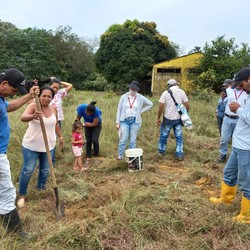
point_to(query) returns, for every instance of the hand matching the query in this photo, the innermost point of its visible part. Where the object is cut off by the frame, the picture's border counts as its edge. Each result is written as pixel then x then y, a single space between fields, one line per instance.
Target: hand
pixel 117 125
pixel 223 95
pixel 158 122
pixel 234 106
pixel 37 115
pixel 34 90
pixel 61 142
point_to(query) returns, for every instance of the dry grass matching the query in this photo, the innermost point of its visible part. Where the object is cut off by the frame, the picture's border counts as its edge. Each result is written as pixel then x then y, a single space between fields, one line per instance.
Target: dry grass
pixel 165 206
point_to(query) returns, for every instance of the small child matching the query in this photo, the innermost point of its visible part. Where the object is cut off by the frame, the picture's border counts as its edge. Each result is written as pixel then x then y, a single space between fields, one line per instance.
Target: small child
pixel 77 144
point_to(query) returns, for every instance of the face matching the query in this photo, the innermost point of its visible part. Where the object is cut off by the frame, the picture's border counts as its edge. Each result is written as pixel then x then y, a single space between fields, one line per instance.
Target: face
pixel 55 86
pixel 88 112
pixel 45 97
pixel 245 84
pixel 7 90
pixel 132 91
pixel 79 130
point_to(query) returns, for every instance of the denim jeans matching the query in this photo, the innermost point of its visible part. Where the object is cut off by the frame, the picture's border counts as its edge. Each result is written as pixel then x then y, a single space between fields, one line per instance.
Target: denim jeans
pixel 164 134
pixel 129 129
pixel 29 165
pixel 227 130
pixel 237 170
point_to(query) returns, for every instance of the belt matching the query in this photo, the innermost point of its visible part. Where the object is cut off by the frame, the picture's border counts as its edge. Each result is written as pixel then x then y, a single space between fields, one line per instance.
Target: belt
pixel 232 116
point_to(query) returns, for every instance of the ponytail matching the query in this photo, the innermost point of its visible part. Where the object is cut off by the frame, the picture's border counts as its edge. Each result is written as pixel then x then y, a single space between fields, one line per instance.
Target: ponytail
pixel 91 107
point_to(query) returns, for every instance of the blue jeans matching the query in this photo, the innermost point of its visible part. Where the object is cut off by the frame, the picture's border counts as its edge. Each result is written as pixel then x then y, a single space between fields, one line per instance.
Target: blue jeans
pixel 29 164
pixel 237 170
pixel 129 128
pixel 227 130
pixel 164 134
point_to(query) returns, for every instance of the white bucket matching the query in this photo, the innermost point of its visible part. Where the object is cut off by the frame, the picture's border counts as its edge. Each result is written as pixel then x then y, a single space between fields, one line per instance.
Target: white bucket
pixel 133 157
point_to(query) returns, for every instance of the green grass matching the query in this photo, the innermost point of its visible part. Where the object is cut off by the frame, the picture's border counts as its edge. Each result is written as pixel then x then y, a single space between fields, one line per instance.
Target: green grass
pixel 165 206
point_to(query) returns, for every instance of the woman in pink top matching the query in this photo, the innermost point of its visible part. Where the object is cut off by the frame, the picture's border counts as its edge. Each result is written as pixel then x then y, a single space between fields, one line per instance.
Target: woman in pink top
pixel 77 144
pixel 33 146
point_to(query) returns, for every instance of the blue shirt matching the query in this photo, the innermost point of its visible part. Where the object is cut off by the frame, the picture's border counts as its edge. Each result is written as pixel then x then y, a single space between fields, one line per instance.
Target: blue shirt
pixel 241 135
pixel 81 111
pixel 4 126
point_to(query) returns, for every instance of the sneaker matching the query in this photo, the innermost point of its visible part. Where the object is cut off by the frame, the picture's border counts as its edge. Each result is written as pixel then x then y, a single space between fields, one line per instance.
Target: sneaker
pixel 163 153
pixel 21 202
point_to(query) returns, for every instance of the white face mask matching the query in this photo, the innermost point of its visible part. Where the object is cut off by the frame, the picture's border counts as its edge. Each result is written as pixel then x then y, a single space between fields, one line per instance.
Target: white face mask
pixel 132 92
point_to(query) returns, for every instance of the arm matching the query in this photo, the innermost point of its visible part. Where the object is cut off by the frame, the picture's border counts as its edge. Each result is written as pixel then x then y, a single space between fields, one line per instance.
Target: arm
pixel 31 113
pixel 57 127
pixel 118 113
pixel 73 140
pixel 160 110
pixel 92 124
pixel 16 104
pixel 67 86
pixel 147 104
pixel 186 106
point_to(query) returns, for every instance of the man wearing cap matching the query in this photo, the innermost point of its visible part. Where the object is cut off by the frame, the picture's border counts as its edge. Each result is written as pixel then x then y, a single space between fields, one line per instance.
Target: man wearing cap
pixel 237 169
pixel 171 118
pixel 230 119
pixel 11 82
pixel 220 110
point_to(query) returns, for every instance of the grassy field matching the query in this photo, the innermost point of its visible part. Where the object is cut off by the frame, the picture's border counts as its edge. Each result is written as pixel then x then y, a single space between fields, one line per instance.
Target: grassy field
pixel 165 206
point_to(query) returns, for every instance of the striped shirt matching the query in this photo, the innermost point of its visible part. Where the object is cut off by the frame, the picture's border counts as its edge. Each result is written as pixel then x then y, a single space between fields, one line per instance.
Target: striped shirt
pixel 180 96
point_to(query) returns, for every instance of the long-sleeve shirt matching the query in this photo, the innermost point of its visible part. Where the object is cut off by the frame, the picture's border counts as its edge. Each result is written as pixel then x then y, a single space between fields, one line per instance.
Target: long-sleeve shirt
pixel 143 104
pixel 241 135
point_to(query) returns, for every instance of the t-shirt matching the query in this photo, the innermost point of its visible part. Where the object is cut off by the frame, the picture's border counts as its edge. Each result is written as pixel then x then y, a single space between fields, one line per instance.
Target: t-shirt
pixel 4 126
pixel 77 137
pixel 57 102
pixel 180 96
pixel 81 111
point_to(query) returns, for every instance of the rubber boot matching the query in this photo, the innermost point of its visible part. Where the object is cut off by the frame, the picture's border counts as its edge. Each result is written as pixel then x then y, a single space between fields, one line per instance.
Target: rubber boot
pixel 12 223
pixel 244 216
pixel 227 194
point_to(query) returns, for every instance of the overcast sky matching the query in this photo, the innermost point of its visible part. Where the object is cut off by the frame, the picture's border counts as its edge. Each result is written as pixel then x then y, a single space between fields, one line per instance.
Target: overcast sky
pixel 188 23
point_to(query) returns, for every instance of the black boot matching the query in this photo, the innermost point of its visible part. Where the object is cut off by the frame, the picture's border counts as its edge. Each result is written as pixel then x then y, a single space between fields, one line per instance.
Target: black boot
pixel 222 158
pixel 12 223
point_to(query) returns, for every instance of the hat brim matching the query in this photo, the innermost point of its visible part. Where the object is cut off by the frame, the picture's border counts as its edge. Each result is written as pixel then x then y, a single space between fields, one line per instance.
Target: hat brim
pixel 133 86
pixel 21 90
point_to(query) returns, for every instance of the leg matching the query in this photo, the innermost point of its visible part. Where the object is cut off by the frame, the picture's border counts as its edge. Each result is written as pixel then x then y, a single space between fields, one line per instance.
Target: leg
pixel 226 134
pixel 95 138
pixel 164 133
pixel 219 123
pixel 124 127
pixel 179 140
pixel 43 171
pixel 29 164
pixel 228 185
pixel 88 137
pixel 134 129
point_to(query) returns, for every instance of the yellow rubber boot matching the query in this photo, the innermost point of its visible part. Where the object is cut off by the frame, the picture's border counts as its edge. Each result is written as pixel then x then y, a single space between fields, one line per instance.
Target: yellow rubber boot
pixel 227 194
pixel 244 216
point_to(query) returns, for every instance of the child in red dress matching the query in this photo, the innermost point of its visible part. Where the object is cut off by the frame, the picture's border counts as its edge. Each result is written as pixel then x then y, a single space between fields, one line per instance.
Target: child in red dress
pixel 77 144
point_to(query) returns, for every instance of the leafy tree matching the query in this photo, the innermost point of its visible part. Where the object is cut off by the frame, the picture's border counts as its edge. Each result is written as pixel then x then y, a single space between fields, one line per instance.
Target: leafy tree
pixel 128 51
pixel 221 60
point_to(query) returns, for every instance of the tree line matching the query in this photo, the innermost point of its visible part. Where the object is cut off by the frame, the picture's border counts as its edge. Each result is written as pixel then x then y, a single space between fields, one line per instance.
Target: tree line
pixel 125 52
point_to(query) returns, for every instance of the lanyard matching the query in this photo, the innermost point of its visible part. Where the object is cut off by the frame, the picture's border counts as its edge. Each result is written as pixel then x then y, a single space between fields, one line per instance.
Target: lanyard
pixel 237 97
pixel 131 104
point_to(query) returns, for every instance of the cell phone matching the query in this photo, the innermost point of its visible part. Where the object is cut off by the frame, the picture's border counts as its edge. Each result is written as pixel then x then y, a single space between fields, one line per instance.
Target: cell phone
pixel 224 90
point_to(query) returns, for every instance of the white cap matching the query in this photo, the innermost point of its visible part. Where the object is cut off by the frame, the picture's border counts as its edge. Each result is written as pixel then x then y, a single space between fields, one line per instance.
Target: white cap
pixel 172 82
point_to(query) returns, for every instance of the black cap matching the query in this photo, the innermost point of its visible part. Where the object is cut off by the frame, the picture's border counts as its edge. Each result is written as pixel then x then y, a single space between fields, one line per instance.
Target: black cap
pixel 243 74
pixel 134 85
pixel 15 78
